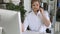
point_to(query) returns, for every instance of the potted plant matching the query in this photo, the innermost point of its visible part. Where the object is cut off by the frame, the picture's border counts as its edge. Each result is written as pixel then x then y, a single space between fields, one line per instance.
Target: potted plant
pixel 11 6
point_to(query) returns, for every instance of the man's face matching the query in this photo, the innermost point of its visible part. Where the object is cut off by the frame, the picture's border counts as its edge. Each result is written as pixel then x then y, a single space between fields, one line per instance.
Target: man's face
pixel 35 6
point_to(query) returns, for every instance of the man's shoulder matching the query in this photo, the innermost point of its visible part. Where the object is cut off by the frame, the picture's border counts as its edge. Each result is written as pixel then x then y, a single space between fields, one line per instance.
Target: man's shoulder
pixel 29 14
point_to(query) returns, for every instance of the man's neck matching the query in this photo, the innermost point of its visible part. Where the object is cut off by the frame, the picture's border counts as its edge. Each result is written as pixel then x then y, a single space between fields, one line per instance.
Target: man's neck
pixel 35 12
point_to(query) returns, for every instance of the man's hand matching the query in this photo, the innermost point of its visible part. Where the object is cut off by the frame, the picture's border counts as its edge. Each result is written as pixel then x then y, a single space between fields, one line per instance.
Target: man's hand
pixel 41 10
pixel 44 18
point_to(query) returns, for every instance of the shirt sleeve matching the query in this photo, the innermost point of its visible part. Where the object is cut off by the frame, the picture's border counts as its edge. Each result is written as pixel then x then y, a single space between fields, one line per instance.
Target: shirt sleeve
pixel 47 16
pixel 25 23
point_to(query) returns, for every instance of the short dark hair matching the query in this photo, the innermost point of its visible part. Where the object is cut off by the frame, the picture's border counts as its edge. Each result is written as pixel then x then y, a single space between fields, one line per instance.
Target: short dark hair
pixel 32 1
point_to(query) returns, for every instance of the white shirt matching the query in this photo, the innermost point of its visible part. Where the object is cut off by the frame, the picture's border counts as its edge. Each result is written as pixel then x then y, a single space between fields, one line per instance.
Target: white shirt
pixel 35 22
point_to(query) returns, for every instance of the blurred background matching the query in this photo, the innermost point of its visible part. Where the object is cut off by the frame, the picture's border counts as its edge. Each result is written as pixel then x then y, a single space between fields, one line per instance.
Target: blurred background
pixel 24 6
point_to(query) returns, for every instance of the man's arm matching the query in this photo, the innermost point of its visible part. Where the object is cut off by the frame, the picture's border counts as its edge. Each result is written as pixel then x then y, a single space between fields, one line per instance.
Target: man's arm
pixel 44 18
pixel 25 24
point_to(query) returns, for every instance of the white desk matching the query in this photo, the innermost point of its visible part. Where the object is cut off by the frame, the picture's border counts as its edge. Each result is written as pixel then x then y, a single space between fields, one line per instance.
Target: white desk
pixel 31 32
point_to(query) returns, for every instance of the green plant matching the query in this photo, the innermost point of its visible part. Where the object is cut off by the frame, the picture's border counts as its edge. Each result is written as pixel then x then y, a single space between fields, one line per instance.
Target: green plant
pixel 20 8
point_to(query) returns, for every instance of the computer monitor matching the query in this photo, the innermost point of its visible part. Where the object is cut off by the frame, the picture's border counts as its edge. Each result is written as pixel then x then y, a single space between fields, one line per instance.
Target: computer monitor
pixel 10 21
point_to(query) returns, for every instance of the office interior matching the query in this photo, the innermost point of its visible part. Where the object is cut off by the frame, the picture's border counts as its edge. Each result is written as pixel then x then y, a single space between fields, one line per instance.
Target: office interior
pixel 52 6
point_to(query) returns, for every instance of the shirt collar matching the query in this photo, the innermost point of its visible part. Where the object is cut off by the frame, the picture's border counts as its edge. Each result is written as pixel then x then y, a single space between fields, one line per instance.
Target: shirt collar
pixel 37 12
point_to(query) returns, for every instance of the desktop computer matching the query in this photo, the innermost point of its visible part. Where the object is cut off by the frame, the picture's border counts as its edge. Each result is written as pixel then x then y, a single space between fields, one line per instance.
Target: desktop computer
pixel 10 22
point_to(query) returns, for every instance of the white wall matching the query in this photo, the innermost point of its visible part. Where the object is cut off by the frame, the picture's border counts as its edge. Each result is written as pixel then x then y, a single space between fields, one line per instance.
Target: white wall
pixel 44 0
pixel 6 1
pixel 16 2
pixel 27 5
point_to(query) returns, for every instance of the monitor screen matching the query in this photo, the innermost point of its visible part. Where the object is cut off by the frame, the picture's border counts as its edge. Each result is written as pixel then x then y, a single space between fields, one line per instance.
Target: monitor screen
pixel 10 21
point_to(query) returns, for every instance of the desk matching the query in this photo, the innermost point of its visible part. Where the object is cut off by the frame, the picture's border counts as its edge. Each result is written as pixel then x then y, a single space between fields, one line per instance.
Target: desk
pixel 32 32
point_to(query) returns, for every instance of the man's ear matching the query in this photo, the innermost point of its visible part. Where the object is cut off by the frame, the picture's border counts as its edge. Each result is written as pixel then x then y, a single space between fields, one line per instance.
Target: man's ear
pixel 40 6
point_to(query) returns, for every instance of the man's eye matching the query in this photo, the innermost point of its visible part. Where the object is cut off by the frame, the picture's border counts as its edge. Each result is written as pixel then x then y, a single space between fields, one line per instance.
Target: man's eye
pixel 37 4
pixel 33 5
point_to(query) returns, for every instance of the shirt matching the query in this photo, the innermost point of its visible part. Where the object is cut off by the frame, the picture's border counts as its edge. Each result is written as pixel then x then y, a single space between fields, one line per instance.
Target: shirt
pixel 35 22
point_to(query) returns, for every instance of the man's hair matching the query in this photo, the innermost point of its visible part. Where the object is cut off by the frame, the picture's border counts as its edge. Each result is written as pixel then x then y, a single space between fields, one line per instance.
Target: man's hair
pixel 32 1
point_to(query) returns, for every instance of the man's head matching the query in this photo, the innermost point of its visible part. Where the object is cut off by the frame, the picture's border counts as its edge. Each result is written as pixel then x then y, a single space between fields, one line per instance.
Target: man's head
pixel 35 4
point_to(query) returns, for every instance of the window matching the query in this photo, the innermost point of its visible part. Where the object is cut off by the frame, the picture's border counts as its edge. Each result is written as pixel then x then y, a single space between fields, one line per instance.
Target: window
pixel 1 1
pixel 2 4
pixel 22 2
